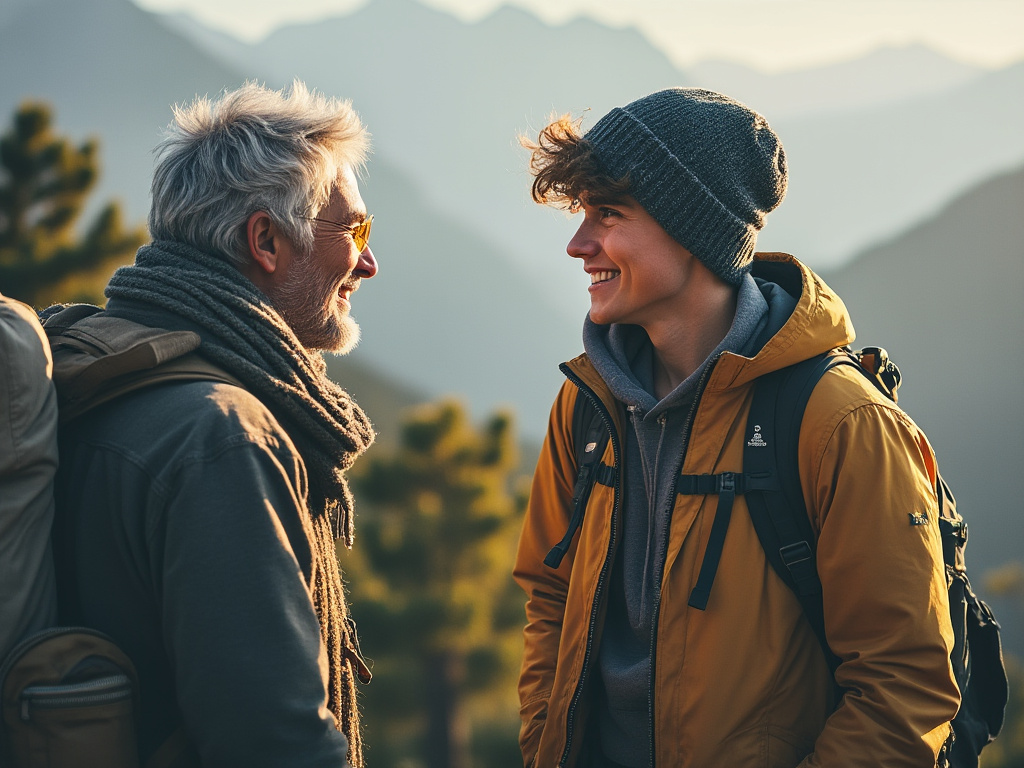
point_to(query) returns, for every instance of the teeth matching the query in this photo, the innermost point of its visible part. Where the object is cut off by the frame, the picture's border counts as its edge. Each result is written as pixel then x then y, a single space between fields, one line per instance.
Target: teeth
pixel 600 277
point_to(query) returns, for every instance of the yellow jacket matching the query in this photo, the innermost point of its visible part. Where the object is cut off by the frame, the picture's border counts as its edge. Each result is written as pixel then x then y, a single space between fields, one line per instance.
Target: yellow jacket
pixel 745 682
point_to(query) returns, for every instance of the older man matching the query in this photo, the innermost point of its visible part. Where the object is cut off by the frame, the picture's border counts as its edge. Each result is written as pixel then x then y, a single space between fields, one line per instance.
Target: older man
pixel 202 516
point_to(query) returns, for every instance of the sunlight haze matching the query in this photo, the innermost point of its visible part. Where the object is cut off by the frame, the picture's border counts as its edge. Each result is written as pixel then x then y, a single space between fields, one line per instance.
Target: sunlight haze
pixel 772 35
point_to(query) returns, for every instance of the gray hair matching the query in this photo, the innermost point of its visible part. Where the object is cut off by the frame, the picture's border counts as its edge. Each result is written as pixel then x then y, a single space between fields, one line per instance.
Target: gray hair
pixel 254 149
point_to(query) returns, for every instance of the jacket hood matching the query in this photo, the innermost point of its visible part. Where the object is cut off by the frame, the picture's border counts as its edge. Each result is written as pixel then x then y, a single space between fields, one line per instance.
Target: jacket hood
pixel 818 324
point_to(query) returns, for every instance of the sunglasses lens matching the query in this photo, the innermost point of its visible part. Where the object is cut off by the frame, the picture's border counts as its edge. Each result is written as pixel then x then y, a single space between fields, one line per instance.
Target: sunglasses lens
pixel 361 234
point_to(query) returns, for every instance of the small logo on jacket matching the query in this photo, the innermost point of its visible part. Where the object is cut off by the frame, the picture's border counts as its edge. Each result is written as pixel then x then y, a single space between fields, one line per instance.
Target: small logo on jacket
pixel 757 441
pixel 918 519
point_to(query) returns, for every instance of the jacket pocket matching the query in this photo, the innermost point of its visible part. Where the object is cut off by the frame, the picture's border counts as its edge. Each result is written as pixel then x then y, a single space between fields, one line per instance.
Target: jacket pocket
pixel 784 749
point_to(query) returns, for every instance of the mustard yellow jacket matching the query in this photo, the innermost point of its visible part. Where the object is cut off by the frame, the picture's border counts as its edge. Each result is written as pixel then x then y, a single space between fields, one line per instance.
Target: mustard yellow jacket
pixel 745 682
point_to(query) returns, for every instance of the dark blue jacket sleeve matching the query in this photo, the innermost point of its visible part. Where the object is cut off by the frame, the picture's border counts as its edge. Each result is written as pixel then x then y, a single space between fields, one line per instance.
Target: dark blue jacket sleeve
pixel 237 618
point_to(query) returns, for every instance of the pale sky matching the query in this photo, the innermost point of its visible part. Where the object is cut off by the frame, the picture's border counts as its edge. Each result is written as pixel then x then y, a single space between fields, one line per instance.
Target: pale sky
pixel 772 35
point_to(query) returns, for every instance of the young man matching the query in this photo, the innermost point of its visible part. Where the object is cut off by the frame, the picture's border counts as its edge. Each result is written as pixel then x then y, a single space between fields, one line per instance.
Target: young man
pixel 619 669
pixel 202 516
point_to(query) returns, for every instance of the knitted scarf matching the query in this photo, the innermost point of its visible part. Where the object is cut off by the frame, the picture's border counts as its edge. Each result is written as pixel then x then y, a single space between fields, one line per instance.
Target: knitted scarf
pixel 243 334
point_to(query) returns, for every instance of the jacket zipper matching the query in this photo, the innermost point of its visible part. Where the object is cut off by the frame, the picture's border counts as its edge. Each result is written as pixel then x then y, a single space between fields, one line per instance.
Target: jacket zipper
pixel 687 426
pixel 603 576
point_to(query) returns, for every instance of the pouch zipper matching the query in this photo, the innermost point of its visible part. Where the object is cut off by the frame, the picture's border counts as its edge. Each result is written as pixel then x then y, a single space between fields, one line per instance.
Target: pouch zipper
pixel 104 690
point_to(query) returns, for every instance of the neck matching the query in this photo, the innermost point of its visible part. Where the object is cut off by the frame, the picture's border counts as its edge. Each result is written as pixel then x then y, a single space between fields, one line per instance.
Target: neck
pixel 684 340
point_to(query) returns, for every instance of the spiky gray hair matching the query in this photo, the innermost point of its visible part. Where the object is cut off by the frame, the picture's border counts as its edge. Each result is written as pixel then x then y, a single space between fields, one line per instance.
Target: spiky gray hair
pixel 254 149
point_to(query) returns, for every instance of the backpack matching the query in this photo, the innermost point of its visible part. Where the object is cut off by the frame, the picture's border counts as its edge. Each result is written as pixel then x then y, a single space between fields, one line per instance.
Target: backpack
pixel 771 483
pixel 69 695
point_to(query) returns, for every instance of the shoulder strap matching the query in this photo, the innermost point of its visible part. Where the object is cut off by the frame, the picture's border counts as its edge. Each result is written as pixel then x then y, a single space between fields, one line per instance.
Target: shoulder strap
pixel 779 515
pixel 97 358
pixel 589 439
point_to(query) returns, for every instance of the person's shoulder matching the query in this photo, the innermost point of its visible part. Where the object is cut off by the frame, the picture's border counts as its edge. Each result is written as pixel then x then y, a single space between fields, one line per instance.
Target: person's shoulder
pixel 185 421
pixel 844 401
pixel 843 389
pixel 21 336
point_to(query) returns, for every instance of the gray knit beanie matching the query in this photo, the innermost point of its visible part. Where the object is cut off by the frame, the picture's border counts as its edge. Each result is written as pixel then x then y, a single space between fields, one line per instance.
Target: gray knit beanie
pixel 707 168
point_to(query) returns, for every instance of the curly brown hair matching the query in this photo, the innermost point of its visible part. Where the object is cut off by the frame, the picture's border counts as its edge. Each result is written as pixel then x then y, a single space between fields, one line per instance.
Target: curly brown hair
pixel 565 167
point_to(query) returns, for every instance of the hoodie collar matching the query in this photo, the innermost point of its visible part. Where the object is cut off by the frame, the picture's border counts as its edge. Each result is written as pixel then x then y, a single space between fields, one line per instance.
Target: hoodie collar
pixel 624 356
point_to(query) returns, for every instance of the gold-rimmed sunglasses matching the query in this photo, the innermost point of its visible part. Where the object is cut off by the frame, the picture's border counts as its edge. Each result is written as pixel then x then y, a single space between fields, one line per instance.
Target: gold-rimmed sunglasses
pixel 360 232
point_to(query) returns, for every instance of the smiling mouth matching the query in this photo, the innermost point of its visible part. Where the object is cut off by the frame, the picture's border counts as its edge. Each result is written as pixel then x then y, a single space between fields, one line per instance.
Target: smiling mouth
pixel 602 277
pixel 345 292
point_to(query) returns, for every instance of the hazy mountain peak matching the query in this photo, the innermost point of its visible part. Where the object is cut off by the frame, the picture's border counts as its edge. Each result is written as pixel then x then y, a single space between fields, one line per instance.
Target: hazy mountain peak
pixel 405 11
pixel 511 14
pixel 883 76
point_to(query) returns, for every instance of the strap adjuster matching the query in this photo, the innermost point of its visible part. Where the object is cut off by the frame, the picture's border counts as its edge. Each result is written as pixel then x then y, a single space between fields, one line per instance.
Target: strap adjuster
pixel 794 554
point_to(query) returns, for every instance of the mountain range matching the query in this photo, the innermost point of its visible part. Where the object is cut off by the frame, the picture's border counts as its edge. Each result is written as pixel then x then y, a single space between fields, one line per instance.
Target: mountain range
pixel 884 76
pixel 944 299
pixel 476 295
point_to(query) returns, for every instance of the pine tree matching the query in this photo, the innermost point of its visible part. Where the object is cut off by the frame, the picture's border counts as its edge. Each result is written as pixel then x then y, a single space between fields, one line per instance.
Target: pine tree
pixel 44 184
pixel 435 601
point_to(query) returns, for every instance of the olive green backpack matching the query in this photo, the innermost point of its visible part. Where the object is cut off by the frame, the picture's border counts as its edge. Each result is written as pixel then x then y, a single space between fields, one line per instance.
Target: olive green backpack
pixel 69 695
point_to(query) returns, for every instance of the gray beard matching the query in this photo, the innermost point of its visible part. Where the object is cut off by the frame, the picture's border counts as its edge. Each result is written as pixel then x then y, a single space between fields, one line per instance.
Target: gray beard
pixel 308 302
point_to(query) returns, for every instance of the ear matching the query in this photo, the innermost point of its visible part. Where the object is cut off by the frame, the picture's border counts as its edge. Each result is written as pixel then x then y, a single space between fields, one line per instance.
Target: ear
pixel 264 240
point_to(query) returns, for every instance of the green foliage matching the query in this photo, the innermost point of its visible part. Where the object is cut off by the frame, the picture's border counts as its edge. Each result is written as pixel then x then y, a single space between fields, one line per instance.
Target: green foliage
pixel 44 184
pixel 432 592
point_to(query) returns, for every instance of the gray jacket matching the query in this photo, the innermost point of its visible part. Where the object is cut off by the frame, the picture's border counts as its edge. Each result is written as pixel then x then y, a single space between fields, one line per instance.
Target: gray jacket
pixel 181 518
pixel 28 461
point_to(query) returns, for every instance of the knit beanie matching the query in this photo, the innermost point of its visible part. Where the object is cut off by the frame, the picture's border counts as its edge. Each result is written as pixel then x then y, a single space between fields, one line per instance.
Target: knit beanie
pixel 707 168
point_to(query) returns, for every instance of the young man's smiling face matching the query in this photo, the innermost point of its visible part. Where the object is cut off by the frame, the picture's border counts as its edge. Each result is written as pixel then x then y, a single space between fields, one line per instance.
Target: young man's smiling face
pixel 638 273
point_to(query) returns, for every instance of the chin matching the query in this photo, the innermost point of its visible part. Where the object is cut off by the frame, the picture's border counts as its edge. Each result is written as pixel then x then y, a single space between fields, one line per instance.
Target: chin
pixel 340 338
pixel 599 319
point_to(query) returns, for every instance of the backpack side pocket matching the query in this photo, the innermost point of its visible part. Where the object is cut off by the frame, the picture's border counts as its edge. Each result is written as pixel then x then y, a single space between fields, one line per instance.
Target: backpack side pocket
pixel 69 699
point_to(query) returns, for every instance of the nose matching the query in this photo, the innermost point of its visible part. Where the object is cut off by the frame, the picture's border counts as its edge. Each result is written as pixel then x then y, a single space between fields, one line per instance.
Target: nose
pixel 366 267
pixel 583 245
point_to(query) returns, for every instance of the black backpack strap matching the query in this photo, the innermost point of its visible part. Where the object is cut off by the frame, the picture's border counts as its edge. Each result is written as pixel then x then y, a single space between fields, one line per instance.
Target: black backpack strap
pixel 778 513
pixel 727 485
pixel 589 439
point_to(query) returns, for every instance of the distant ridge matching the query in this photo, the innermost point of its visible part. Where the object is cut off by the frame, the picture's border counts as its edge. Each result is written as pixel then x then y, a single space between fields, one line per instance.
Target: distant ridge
pixel 856 178
pixel 945 299
pixel 476 294
pixel 884 76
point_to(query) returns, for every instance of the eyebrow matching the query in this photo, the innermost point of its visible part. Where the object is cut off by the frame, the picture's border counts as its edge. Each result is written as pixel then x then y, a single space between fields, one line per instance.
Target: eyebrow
pixel 599 200
pixel 351 218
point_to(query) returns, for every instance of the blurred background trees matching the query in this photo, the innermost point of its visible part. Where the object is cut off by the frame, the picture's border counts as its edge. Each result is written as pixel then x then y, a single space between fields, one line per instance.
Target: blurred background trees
pixel 432 590
pixel 1007 751
pixel 44 184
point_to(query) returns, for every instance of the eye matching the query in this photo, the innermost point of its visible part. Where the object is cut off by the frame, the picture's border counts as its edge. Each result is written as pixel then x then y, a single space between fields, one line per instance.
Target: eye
pixel 607 213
